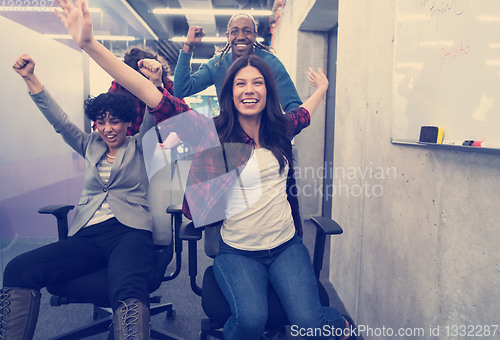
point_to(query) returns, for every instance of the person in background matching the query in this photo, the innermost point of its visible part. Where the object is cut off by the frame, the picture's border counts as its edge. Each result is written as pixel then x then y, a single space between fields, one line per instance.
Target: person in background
pixel 134 57
pixel 241 40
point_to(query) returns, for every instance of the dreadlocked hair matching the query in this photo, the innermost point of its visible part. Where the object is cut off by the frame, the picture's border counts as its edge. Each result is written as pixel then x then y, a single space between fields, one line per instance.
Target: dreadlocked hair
pixel 273 133
pixel 227 47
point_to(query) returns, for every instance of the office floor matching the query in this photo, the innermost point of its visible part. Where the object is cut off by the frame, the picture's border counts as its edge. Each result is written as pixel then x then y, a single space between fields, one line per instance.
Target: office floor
pixel 56 320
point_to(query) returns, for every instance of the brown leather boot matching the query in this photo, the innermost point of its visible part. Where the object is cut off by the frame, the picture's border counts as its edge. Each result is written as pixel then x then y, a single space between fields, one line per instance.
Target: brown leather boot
pixel 131 320
pixel 19 309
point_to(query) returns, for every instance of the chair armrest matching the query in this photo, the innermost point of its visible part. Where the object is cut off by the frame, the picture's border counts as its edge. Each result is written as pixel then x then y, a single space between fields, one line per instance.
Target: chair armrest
pixel 324 226
pixel 189 232
pixel 174 209
pixel 58 209
pixel 60 212
pixel 192 235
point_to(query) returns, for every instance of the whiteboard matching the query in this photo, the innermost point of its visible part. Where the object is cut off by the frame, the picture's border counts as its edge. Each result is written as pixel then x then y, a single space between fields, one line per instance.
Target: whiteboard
pixel 447 70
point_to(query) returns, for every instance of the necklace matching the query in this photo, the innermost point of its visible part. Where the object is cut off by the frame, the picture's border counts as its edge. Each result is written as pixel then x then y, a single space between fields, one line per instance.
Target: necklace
pixel 112 157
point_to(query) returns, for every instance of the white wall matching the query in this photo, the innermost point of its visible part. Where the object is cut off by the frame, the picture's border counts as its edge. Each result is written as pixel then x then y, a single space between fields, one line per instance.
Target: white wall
pixel 26 132
pixel 420 247
pixel 33 157
pixel 100 81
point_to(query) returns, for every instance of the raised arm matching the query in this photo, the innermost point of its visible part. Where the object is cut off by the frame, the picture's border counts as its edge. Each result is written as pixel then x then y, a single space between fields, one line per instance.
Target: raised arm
pixel 187 84
pixel 25 67
pixel 72 134
pixel 319 80
pixel 76 17
pixel 194 36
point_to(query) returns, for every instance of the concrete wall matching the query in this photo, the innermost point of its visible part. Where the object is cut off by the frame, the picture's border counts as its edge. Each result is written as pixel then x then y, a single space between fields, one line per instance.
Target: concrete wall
pixel 298 51
pixel 421 238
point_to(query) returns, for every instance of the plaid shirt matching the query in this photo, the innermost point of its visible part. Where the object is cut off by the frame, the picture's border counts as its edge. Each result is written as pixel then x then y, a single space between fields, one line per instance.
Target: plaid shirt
pixel 141 106
pixel 215 167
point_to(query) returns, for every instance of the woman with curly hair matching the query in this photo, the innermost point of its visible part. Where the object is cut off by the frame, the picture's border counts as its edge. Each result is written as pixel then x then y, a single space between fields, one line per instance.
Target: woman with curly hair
pixel 112 226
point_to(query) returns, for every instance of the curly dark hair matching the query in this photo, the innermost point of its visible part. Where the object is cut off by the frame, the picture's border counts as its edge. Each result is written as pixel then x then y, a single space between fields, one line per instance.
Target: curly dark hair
pixel 134 54
pixel 120 105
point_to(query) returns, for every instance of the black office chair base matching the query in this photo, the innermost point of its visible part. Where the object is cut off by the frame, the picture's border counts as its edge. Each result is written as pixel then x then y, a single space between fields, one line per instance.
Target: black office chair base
pixel 163 335
pixel 211 329
pixel 103 321
pixel 101 325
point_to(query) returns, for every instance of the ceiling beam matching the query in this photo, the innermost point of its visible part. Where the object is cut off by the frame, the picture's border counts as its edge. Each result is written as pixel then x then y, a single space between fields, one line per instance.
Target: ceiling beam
pixel 205 21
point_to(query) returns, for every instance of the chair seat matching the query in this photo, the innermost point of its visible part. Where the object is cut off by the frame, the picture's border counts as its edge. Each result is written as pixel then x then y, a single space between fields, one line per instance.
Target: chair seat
pixel 93 287
pixel 90 288
pixel 218 311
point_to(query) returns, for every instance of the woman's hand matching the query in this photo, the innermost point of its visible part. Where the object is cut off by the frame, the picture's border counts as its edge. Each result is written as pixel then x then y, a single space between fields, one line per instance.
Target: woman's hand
pixel 318 79
pixel 24 66
pixel 76 18
pixel 152 69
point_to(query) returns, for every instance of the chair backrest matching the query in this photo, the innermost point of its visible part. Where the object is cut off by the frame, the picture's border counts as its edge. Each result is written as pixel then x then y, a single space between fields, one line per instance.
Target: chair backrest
pixel 159 198
pixel 165 184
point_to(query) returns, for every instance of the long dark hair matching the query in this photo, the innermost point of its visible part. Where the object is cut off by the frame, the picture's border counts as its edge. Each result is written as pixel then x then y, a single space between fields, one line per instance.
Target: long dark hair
pixel 273 126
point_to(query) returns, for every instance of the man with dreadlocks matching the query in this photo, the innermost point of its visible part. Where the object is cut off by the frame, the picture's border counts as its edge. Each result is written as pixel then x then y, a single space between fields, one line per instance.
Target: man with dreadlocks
pixel 241 40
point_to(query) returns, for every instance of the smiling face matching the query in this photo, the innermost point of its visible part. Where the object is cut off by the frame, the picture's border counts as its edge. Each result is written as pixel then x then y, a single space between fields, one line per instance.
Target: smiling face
pixel 112 130
pixel 241 35
pixel 249 92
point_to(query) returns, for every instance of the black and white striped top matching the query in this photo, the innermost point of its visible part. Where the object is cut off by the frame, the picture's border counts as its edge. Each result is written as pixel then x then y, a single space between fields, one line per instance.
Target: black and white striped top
pixel 104 212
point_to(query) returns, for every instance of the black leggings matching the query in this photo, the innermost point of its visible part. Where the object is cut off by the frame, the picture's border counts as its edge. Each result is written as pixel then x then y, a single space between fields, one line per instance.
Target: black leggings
pixel 128 253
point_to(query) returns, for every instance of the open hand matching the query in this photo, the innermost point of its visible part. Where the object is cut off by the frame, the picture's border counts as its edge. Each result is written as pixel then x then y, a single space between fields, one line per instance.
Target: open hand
pixel 76 18
pixel 318 79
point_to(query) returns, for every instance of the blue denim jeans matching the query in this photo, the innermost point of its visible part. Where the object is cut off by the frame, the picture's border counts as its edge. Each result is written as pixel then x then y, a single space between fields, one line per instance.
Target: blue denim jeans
pixel 244 276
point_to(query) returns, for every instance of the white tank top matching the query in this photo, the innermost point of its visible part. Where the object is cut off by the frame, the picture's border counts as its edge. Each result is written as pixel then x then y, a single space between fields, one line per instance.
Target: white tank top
pixel 259 216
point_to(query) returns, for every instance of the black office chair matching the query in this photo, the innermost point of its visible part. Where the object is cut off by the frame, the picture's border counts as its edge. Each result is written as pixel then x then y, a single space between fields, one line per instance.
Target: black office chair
pixel 92 289
pixel 213 302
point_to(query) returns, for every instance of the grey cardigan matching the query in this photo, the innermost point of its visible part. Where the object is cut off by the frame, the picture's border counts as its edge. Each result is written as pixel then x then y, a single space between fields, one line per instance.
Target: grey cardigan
pixel 128 182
